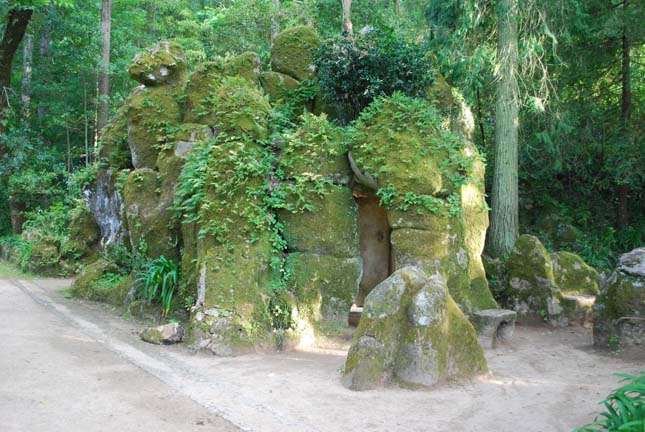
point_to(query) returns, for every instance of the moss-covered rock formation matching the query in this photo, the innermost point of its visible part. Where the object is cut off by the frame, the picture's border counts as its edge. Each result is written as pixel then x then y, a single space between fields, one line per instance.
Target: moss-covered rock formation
pixel 531 282
pixel 572 275
pixel 619 312
pixel 163 64
pixel 412 333
pixel 429 178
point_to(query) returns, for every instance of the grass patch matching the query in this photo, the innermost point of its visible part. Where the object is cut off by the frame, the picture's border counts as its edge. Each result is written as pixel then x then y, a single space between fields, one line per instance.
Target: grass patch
pixel 8 270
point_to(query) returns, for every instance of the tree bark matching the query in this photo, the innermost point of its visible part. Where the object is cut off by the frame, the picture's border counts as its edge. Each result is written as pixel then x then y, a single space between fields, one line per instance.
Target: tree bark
pixel 347 26
pixel 17 22
pixel 504 216
pixel 625 113
pixel 27 60
pixel 14 32
pixel 103 111
pixel 275 20
pixel 44 49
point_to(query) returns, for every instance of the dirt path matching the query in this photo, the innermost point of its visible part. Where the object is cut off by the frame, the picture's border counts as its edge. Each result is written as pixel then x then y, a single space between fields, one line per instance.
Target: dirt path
pixel 542 381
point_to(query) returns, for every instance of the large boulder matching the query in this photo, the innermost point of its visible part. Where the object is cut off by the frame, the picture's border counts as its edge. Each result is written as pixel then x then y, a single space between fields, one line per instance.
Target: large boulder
pixel 619 312
pixel 293 52
pixel 531 282
pixel 572 275
pixel 412 333
pixel 209 76
pixel 165 63
pixel 44 256
pixel 84 234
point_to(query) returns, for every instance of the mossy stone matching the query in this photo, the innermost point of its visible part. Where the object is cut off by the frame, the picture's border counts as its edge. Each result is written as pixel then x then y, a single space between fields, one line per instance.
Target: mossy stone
pixel 531 280
pixel 148 214
pixel 153 115
pixel 293 52
pixel 330 229
pixel 413 333
pixel 235 107
pixel 397 147
pixel 316 151
pixel 572 275
pixel 84 234
pixel 324 286
pixel 100 281
pixel 236 279
pixel 209 76
pixel 113 142
pixel 44 256
pixel 278 86
pixel 163 64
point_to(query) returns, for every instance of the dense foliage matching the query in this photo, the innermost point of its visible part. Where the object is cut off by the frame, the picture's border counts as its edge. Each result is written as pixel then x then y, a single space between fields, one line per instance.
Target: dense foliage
pixel 353 71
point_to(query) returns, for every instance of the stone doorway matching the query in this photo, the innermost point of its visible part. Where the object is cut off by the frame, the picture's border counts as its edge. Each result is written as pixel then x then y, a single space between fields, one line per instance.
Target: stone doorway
pixel 376 249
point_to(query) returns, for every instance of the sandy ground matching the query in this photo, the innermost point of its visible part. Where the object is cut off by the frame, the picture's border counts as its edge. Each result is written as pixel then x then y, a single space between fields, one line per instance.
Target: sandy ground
pixel 72 365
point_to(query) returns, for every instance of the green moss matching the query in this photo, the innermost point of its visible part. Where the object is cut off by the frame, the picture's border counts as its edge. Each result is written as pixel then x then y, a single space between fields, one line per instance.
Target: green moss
pixel 153 117
pixel 83 236
pixel 531 281
pixel 149 215
pixel 113 142
pixel 441 250
pixel 293 52
pixel 245 65
pixel 417 162
pixel 315 152
pixel 423 339
pixel 624 296
pixel 163 64
pixel 572 275
pixel 235 107
pixel 331 228
pixel 324 286
pixel 209 76
pixel 44 257
pixel 86 282
pixel 278 86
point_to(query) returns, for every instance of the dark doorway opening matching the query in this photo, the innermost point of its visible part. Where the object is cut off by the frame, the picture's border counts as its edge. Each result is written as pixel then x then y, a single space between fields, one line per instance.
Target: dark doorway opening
pixel 376 249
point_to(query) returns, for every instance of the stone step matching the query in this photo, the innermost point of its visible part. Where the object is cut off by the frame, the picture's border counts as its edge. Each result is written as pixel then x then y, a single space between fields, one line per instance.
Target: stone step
pixel 493 325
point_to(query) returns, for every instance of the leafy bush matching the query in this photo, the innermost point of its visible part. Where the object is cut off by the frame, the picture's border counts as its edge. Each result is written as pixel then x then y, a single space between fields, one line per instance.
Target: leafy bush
pixel 354 71
pixel 625 408
pixel 158 280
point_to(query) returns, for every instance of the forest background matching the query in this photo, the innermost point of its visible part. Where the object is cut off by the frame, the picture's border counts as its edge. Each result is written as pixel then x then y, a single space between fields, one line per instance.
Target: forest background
pixel 580 91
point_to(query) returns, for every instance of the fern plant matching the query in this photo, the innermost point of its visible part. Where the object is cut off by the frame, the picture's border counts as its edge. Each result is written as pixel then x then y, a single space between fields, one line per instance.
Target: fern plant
pixel 158 280
pixel 624 408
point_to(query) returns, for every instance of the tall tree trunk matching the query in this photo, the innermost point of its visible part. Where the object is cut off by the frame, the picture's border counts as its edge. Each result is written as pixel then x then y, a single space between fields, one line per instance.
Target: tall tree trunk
pixel 504 216
pixel 27 57
pixel 347 26
pixel 103 111
pixel 17 22
pixel 275 20
pixel 625 113
pixel 44 50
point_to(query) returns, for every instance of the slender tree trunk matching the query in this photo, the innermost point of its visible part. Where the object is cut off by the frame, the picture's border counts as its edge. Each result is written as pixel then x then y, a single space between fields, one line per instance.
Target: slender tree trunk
pixel 275 20
pixel 27 60
pixel 103 111
pixel 44 50
pixel 625 112
pixel 347 26
pixel 504 216
pixel 17 22
pixel 480 118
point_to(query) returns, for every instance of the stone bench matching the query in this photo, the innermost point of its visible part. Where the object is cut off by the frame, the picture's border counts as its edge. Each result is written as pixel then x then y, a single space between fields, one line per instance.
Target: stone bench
pixel 493 325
